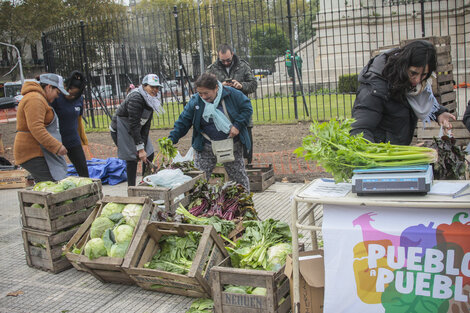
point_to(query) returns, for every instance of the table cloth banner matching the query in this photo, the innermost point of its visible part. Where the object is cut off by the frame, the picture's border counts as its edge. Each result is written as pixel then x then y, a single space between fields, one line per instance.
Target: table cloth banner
pixel 391 259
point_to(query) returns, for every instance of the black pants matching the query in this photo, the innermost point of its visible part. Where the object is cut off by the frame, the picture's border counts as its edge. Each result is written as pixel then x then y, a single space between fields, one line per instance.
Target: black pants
pixel 131 167
pixel 248 155
pixel 78 159
pixel 38 168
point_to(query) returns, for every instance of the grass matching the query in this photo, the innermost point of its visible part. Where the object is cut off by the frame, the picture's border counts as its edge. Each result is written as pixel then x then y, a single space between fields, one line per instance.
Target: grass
pixel 275 110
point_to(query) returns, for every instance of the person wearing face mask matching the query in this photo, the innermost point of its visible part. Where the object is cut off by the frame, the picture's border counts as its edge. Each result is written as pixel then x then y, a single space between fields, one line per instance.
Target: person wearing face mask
pixel 130 125
pixel 395 91
pixel 38 147
pixel 216 113
pixel 69 109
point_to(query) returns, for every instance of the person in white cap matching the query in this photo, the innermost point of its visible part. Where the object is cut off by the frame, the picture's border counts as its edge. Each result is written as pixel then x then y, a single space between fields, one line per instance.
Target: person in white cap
pixel 130 125
pixel 38 147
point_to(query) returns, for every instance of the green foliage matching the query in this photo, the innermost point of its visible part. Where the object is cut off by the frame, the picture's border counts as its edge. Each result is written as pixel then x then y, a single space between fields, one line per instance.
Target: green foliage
pixel 201 306
pixel 269 41
pixel 348 83
pixel 95 248
pixel 99 226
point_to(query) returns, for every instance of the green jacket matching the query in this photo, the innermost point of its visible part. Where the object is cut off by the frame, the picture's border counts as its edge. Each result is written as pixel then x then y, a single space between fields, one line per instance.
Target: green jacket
pixel 240 71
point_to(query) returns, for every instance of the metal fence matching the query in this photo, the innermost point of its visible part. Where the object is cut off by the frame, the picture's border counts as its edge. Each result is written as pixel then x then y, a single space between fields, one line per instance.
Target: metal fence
pixel 334 39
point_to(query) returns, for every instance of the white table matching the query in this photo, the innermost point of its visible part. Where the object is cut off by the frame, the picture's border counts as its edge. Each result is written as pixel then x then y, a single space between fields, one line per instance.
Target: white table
pixel 307 220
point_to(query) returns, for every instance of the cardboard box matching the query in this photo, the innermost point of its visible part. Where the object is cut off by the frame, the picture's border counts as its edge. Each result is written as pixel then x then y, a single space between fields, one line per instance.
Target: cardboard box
pixel 312 280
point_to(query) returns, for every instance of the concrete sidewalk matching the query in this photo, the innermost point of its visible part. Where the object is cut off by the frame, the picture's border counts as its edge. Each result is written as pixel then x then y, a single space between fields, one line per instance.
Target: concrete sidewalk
pixel 73 291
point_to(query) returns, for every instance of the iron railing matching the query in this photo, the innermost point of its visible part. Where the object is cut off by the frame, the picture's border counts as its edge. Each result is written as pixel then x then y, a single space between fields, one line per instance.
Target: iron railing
pixel 334 38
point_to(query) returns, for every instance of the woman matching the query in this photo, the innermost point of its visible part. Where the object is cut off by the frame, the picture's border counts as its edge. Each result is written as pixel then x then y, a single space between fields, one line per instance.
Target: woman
pixel 395 91
pixel 131 122
pixel 69 109
pixel 216 113
pixel 38 147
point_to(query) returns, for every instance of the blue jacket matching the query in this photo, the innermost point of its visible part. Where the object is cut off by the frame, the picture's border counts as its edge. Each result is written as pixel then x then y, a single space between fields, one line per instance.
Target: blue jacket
pixel 239 110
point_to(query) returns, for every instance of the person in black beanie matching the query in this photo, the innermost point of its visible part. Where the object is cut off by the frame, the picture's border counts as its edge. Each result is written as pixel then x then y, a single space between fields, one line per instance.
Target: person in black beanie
pixel 69 110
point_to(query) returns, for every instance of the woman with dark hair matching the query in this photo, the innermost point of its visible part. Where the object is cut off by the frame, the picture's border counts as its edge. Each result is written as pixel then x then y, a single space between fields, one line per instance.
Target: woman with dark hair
pixel 38 147
pixel 131 123
pixel 395 91
pixel 216 113
pixel 69 109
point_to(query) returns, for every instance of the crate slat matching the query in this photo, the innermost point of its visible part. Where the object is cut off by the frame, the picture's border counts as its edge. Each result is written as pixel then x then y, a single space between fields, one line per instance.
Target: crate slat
pixel 13 179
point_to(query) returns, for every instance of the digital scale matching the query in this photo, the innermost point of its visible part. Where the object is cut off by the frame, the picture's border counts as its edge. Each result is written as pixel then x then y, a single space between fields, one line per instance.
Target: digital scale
pixel 406 179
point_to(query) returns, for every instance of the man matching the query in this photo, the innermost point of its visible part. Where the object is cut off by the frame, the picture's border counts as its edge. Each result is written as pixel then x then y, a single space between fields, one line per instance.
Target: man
pixel 234 72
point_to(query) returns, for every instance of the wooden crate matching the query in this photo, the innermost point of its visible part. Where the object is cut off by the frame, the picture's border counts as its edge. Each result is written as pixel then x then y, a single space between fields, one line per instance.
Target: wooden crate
pixel 44 249
pixel 210 252
pixel 276 284
pixel 261 177
pixel 13 179
pixel 171 197
pixel 55 215
pixel 459 131
pixel 105 269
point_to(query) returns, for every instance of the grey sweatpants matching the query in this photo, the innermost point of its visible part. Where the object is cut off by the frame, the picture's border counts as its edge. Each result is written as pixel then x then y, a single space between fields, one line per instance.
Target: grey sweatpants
pixel 205 161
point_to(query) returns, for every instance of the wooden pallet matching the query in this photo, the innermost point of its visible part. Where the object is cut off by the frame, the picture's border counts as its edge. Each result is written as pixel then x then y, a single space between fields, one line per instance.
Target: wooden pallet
pixel 44 249
pixel 171 197
pixel 105 269
pixel 211 251
pixel 55 214
pixel 13 179
pixel 459 131
pixel 261 177
pixel 276 284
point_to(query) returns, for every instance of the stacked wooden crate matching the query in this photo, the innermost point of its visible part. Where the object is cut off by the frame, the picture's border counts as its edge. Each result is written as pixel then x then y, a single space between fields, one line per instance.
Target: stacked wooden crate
pixel 51 219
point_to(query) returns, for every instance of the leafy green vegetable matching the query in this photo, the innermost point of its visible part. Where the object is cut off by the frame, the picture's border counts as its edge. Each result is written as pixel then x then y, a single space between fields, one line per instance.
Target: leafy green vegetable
pixel 43 184
pixel 99 225
pixel 131 213
pixel 201 306
pixel 95 248
pixel 167 150
pixel 116 217
pixel 221 226
pixel 123 233
pixel 450 164
pixel 37 206
pixel 338 152
pixel 176 253
pixel 237 289
pixel 118 250
pixel 277 255
pixel 251 250
pixel 67 184
pixel 260 291
pixel 108 239
pixel 111 208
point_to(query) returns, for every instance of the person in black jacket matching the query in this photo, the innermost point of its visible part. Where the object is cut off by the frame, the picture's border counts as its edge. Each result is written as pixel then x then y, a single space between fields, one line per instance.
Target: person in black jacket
pixel 466 117
pixel 131 122
pixel 395 91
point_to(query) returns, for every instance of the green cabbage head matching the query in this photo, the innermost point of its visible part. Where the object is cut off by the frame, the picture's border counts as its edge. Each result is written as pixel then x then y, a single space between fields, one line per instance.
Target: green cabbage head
pixel 111 208
pixel 132 214
pixel 118 250
pixel 99 225
pixel 123 233
pixel 277 255
pixel 43 184
pixel 94 248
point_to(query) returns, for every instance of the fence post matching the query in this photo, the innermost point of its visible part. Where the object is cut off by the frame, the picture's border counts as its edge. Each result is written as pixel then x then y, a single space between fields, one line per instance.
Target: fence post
pixel 182 71
pixel 44 52
pixel 423 30
pixel 291 41
pixel 201 47
pixel 88 99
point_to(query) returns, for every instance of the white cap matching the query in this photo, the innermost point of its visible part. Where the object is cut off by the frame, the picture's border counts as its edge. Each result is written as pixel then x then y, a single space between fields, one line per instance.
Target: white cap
pixel 53 80
pixel 152 80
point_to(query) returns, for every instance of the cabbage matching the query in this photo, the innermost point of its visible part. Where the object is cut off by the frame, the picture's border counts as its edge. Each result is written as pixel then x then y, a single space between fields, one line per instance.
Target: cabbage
pixel 67 184
pixel 111 208
pixel 94 248
pixel 123 233
pixel 260 291
pixel 132 214
pixel 236 289
pixel 277 255
pixel 37 206
pixel 43 184
pixel 82 181
pixel 54 188
pixel 99 225
pixel 118 250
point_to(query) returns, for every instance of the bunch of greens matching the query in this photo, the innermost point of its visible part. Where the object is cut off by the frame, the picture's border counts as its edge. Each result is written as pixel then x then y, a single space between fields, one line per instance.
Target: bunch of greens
pixel 251 250
pixel 112 231
pixel 338 152
pixel 176 253
pixel 185 166
pixel 221 226
pixel 228 201
pixel 201 306
pixel 451 160
pixel 167 150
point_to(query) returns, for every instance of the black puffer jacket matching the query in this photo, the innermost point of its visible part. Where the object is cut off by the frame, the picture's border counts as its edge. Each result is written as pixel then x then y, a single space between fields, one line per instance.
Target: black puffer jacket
pixel 140 116
pixel 466 117
pixel 379 117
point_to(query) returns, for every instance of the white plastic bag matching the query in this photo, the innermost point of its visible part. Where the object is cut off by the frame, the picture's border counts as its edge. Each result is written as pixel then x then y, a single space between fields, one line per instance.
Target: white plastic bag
pixel 189 156
pixel 168 178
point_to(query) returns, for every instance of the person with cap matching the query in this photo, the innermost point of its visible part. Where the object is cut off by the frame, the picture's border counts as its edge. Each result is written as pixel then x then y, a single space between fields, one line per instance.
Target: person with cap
pixel 290 68
pixel 38 147
pixel 130 125
pixel 69 109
